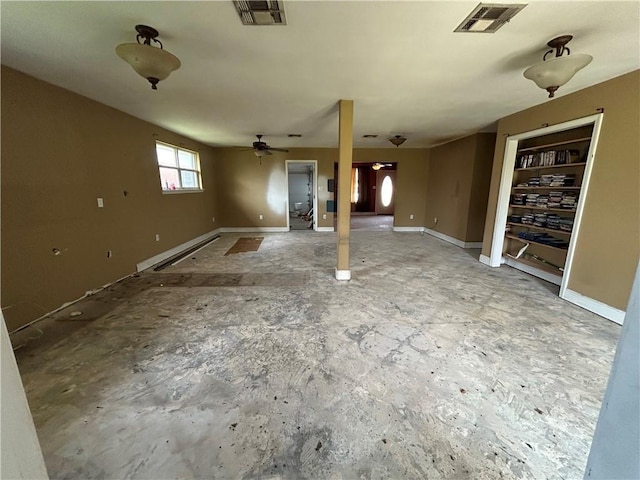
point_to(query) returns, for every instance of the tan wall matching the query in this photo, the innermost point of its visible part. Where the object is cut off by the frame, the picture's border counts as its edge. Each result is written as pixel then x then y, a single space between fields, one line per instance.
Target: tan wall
pixel 449 187
pixel 485 146
pixel 247 188
pixel 608 245
pixel 60 151
pixel 458 186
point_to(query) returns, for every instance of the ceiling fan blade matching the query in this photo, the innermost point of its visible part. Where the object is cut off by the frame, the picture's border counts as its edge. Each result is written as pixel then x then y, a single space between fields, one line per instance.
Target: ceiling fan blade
pixel 278 149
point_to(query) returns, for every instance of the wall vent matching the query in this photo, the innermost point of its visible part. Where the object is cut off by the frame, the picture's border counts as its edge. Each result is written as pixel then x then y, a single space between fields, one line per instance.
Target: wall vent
pixel 489 17
pixel 261 12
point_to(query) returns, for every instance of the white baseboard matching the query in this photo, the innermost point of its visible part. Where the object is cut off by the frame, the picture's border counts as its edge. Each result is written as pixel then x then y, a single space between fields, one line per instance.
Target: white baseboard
pixel 175 250
pixel 343 274
pixel 408 229
pixel 536 272
pixel 453 240
pixel 485 260
pixel 595 306
pixel 325 229
pixel 254 229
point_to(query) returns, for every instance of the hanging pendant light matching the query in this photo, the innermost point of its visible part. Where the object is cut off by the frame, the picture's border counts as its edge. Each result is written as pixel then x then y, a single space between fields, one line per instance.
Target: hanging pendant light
pixel 397 140
pixel 152 63
pixel 552 74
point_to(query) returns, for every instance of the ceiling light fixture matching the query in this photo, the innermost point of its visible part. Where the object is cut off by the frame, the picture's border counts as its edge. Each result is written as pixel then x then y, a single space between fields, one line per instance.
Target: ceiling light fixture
pixel 262 153
pixel 152 63
pixel 552 74
pixel 397 140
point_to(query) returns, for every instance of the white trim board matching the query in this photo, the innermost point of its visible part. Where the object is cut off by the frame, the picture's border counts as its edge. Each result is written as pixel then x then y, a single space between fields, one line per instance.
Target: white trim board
pixel 486 261
pixel 325 229
pixel 453 240
pixel 149 262
pixel 408 229
pixel 343 274
pixel 253 229
pixel 595 306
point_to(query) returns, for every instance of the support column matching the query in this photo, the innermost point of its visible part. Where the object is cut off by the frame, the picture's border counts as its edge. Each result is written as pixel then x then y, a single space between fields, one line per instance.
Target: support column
pixel 344 188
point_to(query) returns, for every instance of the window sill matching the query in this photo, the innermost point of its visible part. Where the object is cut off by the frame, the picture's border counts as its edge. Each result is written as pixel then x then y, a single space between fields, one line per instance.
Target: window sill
pixel 183 190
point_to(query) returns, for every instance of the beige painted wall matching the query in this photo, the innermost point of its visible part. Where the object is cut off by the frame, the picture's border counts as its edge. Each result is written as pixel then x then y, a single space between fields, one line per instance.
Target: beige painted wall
pixel 60 151
pixel 485 146
pixel 608 246
pixel 248 188
pixel 458 187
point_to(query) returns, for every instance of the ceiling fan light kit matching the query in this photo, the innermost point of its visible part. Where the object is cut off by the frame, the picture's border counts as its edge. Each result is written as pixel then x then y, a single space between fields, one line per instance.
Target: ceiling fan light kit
pixel 397 140
pixel 552 74
pixel 151 62
pixel 261 149
pixel 377 166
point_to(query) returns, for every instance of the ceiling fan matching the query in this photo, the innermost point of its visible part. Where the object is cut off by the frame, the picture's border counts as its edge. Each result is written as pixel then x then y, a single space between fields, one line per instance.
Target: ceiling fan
pixel 261 149
pixel 378 166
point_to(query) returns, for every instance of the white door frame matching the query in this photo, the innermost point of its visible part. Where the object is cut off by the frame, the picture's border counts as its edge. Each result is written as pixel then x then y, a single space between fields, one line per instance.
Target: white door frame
pixel 510 151
pixel 314 190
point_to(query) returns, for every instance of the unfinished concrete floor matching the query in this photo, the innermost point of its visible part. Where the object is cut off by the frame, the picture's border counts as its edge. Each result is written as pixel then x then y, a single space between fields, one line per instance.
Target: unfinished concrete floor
pixel 427 364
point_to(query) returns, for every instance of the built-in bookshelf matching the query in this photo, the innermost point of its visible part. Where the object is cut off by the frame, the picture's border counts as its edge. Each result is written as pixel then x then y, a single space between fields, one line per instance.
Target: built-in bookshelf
pixel 546 187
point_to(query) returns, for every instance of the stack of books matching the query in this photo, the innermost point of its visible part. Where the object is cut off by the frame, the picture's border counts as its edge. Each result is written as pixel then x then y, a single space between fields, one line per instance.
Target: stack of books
pixel 554 199
pixel 540 219
pixel 569 201
pixel 518 198
pixel 532 199
pixel 528 219
pixel 542 201
pixel 566 224
pixel 563 180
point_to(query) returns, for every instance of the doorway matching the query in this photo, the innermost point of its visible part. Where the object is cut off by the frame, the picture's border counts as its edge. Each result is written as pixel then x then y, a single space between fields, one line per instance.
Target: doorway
pixel 302 181
pixel 372 191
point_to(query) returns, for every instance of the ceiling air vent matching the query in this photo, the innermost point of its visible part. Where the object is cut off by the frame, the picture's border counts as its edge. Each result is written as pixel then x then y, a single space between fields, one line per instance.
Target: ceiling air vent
pixel 260 12
pixel 489 17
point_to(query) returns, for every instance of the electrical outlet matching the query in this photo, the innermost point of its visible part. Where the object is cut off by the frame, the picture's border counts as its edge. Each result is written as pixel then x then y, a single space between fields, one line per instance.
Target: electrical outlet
pixel 213 219
pixel 435 219
pixel 324 216
pixel 261 217
pixel 100 203
pixel 157 237
pixel 108 253
pixel 411 217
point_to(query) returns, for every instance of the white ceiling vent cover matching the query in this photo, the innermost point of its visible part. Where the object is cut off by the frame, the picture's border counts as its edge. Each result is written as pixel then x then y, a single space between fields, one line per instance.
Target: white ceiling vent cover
pixel 489 17
pixel 260 12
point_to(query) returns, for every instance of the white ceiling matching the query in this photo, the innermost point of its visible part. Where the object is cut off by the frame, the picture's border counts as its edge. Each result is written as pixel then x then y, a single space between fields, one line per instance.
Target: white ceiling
pixel 400 62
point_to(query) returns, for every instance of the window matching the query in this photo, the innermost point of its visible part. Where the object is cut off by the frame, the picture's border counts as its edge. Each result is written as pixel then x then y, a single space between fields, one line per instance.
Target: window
pixel 179 169
pixel 386 193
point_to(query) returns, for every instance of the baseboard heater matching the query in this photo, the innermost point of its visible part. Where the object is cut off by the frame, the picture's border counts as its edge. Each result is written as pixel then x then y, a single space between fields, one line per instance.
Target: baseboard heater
pixel 171 260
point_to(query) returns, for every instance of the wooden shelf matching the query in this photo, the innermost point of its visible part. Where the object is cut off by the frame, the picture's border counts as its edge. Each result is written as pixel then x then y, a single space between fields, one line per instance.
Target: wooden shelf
pixel 546 188
pixel 524 240
pixel 566 210
pixel 539 265
pixel 545 167
pixel 542 229
pixel 556 144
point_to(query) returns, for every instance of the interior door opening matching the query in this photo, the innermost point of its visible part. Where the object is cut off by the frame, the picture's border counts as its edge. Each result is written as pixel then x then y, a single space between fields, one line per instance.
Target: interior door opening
pixel 302 206
pixel 372 190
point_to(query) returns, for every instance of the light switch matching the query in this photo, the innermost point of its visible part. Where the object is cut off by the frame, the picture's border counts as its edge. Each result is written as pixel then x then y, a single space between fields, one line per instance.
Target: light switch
pixel 100 202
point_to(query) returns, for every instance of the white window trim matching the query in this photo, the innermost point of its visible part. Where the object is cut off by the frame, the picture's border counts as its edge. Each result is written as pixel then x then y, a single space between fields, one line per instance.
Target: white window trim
pixel 198 171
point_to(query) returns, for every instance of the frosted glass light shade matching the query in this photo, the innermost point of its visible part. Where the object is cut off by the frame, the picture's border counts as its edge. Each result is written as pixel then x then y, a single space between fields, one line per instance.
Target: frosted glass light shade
pixel 557 71
pixel 149 62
